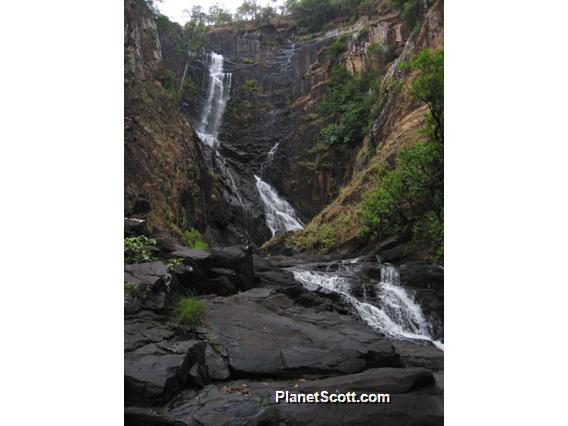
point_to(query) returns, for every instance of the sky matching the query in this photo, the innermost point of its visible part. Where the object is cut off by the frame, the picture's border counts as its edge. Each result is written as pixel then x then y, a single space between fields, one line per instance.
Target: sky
pixel 173 9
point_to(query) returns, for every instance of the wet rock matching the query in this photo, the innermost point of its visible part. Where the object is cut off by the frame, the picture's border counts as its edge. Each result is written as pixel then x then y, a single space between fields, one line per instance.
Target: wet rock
pixel 415 400
pixel 216 365
pixel 148 273
pixel 137 416
pixel 293 341
pixel 140 332
pixel 153 373
pixel 134 227
pixel 422 274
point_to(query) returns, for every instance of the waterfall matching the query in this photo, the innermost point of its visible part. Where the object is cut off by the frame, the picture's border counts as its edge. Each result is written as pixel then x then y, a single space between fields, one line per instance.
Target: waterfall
pixel 218 94
pixel 280 215
pixel 397 314
pixel 217 97
pixel 269 159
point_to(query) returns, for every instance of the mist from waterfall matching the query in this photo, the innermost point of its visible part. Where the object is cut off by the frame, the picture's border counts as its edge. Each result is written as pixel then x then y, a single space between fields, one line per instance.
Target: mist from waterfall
pixel 395 313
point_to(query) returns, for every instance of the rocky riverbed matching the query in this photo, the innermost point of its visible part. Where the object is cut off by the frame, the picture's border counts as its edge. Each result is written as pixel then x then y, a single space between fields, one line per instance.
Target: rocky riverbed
pixel 264 331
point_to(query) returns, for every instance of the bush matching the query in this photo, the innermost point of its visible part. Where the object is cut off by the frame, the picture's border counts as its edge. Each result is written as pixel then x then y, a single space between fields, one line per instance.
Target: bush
pixel 409 199
pixel 251 85
pixel 176 261
pixel 348 103
pixel 338 46
pixel 190 311
pixel 194 239
pixel 138 249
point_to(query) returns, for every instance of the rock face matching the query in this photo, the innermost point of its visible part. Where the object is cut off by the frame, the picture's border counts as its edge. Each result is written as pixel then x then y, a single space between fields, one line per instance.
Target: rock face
pixel 275 336
pixel 297 346
pixel 415 400
pixel 167 181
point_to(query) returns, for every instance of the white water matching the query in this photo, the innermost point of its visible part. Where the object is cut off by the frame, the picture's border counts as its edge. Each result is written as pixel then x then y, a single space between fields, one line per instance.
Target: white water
pixel 280 215
pixel 398 315
pixel 218 95
pixel 269 159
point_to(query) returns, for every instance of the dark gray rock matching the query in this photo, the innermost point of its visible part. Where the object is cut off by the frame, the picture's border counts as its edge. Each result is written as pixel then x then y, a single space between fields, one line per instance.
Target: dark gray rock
pixel 153 373
pixel 415 400
pixel 216 365
pixel 140 332
pixel 134 227
pixel 261 342
pixel 148 273
pixel 422 274
pixel 137 416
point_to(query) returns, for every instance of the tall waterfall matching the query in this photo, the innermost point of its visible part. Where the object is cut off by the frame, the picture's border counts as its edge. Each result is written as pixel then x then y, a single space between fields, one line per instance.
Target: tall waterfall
pixel 397 314
pixel 218 95
pixel 280 215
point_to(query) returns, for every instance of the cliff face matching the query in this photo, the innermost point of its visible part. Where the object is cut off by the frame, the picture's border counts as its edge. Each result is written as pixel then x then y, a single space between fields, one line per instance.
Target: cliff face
pixel 398 124
pixel 166 179
pixel 271 127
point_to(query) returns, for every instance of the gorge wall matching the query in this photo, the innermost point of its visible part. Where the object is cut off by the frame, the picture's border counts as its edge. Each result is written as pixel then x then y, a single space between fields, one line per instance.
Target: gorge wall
pixel 271 126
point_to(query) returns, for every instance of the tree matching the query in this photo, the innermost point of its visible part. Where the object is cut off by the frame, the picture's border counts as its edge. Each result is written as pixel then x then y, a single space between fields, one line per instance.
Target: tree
pixel 249 10
pixel 219 16
pixel 409 199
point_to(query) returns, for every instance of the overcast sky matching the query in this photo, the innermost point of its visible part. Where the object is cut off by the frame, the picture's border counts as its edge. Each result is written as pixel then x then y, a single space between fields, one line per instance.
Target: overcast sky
pixel 173 9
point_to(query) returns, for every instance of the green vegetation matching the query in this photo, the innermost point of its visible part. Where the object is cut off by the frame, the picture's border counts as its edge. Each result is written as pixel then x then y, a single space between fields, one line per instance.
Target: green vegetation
pixel 323 238
pixel 411 11
pixel 190 311
pixel 176 261
pixel 129 290
pixel 348 103
pixel 318 15
pixel 194 239
pixel 138 249
pixel 409 199
pixel 250 85
pixel 248 60
pixel 338 46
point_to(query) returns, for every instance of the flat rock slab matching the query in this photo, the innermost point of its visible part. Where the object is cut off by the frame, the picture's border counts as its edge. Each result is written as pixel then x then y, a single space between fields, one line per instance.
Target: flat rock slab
pixel 415 400
pixel 267 336
pixel 148 273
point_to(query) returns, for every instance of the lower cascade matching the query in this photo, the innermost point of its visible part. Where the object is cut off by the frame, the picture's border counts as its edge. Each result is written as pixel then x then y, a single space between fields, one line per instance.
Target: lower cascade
pixel 280 215
pixel 395 313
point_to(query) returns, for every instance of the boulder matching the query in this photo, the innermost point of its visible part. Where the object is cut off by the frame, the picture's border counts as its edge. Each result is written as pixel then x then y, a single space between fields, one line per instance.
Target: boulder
pixel 154 372
pixel 148 273
pixel 134 227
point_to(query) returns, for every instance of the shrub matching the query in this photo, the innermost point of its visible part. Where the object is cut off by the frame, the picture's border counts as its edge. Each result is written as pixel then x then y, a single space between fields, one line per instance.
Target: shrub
pixel 409 199
pixel 138 249
pixel 248 60
pixel 190 311
pixel 129 289
pixel 194 239
pixel 176 261
pixel 251 85
pixel 338 46
pixel 348 103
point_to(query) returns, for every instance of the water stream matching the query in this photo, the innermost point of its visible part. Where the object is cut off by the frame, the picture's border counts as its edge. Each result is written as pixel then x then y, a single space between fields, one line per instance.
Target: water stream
pixel 395 313
pixel 280 215
pixel 218 94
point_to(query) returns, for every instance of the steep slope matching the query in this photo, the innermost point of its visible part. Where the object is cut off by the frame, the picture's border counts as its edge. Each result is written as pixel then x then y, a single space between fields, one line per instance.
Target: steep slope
pixel 167 181
pixel 398 124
